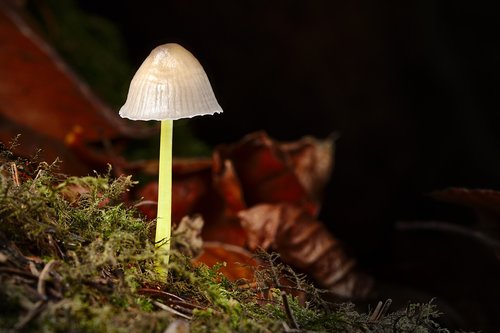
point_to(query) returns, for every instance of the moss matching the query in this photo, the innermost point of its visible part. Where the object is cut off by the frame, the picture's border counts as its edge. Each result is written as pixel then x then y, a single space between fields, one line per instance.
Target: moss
pixel 75 258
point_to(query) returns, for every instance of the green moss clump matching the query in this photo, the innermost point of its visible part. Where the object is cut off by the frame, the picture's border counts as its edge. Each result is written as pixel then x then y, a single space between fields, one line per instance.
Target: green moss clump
pixel 100 250
pixel 75 258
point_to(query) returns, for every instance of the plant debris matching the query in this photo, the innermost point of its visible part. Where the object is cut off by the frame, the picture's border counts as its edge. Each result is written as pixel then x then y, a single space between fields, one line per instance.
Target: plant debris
pixel 302 240
pixel 75 258
pixel 261 193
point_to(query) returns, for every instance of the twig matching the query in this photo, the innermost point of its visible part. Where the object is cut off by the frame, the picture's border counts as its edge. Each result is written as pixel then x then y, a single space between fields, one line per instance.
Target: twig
pixel 33 183
pixel 44 275
pixel 145 203
pixel 15 176
pixel 171 310
pixel 29 316
pixel 172 299
pixel 380 310
pixel 56 249
pixel 149 291
pixel 286 305
pixel 181 308
pixel 33 269
pixel 288 310
pixel 449 227
pixel 385 308
pixel 375 315
pixel 16 271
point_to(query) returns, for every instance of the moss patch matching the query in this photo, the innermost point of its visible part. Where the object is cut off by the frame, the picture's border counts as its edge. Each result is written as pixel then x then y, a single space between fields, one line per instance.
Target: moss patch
pixel 75 258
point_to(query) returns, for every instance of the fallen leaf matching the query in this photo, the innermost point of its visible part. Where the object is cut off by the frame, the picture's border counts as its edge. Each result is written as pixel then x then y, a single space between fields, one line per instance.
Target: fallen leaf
pixel 270 172
pixel 305 243
pixel 42 99
pixel 227 184
pixel 187 192
pixel 312 162
pixel 238 263
pixel 263 194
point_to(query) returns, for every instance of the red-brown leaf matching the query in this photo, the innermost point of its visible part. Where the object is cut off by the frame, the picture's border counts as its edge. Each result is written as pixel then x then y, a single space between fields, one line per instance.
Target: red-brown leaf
pixel 312 162
pixel 282 182
pixel 239 262
pixel 305 243
pixel 272 172
pixel 44 101
pixel 189 185
pixel 227 183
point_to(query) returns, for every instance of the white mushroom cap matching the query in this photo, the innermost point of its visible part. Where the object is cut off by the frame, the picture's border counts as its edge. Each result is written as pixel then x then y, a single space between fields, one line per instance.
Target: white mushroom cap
pixel 170 84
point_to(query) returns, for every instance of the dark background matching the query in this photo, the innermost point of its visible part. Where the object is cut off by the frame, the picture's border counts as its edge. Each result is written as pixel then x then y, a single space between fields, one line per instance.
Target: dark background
pixel 410 86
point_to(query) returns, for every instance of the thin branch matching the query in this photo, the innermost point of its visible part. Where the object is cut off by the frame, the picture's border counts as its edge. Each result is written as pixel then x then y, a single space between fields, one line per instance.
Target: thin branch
pixel 385 308
pixel 171 310
pixel 33 183
pixel 450 227
pixel 15 176
pixel 375 314
pixel 56 249
pixel 149 291
pixel 146 203
pixel 286 305
pixel 174 300
pixel 35 311
pixel 44 276
pixel 288 310
pixel 16 271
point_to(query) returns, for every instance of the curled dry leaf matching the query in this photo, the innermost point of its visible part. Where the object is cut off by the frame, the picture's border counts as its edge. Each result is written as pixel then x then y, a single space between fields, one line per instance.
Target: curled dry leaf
pixel 266 171
pixel 255 170
pixel 304 243
pixel 193 193
pixel 227 184
pixel 312 162
pixel 27 64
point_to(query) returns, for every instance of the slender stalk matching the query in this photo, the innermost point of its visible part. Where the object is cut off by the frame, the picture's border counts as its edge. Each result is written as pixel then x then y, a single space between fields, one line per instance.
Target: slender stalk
pixel 163 217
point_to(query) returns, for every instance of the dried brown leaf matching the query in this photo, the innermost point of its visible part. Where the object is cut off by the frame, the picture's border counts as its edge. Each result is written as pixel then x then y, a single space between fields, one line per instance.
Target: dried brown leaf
pixel 305 243
pixel 44 101
pixel 312 162
pixel 239 263
pixel 270 172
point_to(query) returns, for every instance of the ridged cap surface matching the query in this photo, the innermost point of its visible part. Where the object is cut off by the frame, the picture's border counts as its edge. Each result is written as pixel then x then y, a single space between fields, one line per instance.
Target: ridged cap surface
pixel 170 84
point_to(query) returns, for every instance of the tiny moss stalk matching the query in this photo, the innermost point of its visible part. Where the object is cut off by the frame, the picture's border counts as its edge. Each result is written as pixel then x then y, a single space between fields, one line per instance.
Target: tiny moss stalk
pixel 163 219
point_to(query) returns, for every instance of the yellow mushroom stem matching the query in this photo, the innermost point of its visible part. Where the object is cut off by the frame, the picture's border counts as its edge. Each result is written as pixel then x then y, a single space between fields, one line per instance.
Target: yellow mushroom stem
pixel 164 214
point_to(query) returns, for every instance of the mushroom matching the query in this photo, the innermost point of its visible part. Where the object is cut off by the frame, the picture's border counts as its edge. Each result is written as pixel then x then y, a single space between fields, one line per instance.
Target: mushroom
pixel 170 84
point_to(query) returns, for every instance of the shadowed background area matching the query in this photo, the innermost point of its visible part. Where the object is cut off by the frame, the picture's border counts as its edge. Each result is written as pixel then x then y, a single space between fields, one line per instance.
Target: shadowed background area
pixel 409 88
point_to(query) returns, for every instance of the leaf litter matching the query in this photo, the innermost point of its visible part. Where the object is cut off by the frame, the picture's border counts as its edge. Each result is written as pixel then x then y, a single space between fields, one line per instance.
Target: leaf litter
pixel 75 258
